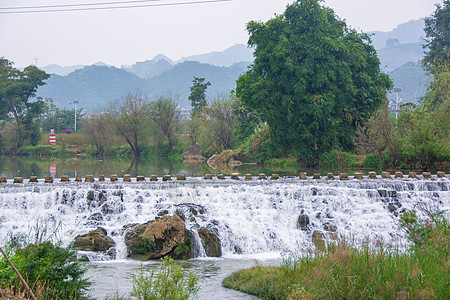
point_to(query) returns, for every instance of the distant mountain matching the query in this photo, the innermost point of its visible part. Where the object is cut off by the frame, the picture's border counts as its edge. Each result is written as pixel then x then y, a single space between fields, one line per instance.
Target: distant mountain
pixel 225 58
pixel 59 70
pixel 151 68
pixel 412 79
pixel 399 54
pixel 95 86
pixel 178 80
pixel 410 32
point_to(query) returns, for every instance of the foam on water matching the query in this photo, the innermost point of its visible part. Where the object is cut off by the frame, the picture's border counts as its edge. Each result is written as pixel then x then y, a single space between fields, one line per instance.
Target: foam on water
pixel 252 219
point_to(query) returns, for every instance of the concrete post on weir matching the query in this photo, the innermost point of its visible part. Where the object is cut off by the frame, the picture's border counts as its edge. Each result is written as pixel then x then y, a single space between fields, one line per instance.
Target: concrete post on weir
pixel 101 177
pixel 359 176
pixel 248 177
pixel 440 174
pixel 330 176
pixel 208 176
pixel 426 175
pixel 275 177
pixel 398 175
pixel 220 176
pixel 78 178
pixel 181 177
pixel 153 178
pixel 48 179
pixel 386 175
pixel 89 178
pixel 412 175
pixel 3 179
pixel 343 176
pixel 373 175
pixel 126 178
pixel 18 180
pixel 235 176
pixel 33 179
pixel 303 176
pixel 64 178
pixel 167 177
pixel 262 176
pixel 140 178
pixel 113 178
pixel 316 175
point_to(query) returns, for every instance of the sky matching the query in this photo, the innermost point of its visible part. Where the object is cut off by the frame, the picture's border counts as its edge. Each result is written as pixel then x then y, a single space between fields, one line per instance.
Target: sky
pixel 175 28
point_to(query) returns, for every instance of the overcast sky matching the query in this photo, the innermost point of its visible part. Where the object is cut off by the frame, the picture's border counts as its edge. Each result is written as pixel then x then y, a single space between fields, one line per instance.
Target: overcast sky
pixel 125 36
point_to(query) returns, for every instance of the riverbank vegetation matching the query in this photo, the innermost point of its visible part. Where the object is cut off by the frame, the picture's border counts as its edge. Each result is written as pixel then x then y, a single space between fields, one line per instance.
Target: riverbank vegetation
pixel 341 270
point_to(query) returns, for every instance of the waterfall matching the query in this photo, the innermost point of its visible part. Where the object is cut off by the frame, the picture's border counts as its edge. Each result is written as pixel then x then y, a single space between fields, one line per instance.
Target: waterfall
pixel 249 217
pixel 199 250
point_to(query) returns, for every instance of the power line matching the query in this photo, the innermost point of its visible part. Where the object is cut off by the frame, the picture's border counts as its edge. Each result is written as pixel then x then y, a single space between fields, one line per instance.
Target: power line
pixel 75 5
pixel 114 7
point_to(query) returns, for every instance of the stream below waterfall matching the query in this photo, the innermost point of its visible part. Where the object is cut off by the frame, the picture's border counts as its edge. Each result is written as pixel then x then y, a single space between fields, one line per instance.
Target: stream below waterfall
pixel 262 221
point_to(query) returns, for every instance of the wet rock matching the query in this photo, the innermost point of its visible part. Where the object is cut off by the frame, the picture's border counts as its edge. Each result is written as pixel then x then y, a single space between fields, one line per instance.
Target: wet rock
pixel 391 207
pixel 211 242
pixel 96 240
pixel 329 227
pixel 318 239
pixel 166 236
pixel 194 153
pixel 303 222
pixel 162 213
pixel 96 217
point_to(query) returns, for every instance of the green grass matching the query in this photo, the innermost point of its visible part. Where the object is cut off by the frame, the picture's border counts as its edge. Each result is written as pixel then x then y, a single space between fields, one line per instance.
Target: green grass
pixel 345 272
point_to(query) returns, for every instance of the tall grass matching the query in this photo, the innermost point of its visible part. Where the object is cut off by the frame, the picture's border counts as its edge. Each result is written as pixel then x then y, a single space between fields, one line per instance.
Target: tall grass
pixel 344 272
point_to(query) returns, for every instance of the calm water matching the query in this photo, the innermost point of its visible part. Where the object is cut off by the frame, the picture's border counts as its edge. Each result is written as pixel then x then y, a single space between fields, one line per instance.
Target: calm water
pixel 41 167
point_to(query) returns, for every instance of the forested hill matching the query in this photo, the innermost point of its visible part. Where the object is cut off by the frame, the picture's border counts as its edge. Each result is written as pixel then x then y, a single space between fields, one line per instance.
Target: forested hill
pixel 95 86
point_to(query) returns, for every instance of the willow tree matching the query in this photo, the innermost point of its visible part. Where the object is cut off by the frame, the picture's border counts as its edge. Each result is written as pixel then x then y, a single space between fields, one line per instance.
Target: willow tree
pixel 313 79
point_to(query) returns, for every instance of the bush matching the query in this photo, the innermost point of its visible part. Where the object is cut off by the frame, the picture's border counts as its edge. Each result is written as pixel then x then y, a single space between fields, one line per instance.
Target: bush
pixel 49 270
pixel 168 282
pixel 372 162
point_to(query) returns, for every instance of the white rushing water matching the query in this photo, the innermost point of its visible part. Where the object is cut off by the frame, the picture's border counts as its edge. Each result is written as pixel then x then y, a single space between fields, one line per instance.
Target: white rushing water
pixel 252 218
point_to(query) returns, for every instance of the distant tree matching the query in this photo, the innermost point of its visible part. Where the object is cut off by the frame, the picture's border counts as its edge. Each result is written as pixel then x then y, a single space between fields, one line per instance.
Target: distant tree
pixel 165 114
pixel 313 79
pixel 17 103
pixel 222 121
pixel 130 120
pixel 437 30
pixel 59 119
pixel 98 127
pixel 198 96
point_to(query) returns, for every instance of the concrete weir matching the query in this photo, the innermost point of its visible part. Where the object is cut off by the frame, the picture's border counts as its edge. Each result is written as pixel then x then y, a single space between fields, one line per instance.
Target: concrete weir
pixel 127 178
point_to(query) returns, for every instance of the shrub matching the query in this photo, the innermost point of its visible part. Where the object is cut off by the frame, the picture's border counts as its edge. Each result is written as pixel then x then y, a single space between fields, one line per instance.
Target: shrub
pixel 48 269
pixel 168 282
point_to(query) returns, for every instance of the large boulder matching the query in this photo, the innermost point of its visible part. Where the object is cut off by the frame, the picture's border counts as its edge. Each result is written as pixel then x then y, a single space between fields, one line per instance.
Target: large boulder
pixel 95 240
pixel 194 153
pixel 165 236
pixel 211 242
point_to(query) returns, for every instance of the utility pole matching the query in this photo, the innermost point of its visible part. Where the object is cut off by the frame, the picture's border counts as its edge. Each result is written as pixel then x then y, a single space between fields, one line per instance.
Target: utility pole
pixel 75 102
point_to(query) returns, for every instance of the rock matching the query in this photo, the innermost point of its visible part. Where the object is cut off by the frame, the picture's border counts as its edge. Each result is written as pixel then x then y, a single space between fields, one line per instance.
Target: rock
pixel 162 213
pixel 318 239
pixel 213 160
pixel 398 175
pixel 329 227
pixel 211 242
pixel 126 178
pixel 167 177
pixel 193 153
pixel 153 178
pixel 77 178
pixel 3 179
pixel 96 240
pixel 426 175
pixel 303 222
pixel 391 207
pixel 234 162
pixel 101 177
pixel 166 236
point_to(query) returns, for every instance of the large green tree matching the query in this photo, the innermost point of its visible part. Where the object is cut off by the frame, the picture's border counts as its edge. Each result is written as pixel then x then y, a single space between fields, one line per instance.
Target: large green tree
pixel 313 79
pixel 437 29
pixel 17 98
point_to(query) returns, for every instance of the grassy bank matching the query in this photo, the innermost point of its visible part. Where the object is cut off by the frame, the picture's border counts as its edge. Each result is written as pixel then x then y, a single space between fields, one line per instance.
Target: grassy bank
pixel 344 272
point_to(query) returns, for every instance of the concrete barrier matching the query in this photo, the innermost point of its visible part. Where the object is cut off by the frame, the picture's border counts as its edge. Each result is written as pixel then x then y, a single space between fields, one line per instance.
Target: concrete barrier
pixel 181 177
pixel 385 175
pixel 48 179
pixel 208 176
pixel 3 179
pixel 153 178
pixel 343 176
pixel 316 176
pixel 330 176
pixel 113 178
pixel 426 175
pixel 89 178
pixel 248 177
pixel 167 177
pixel 78 178
pixel 275 177
pixel 64 178
pixel 33 179
pixel 262 176
pixel 220 176
pixel 398 175
pixel 235 176
pixel 140 178
pixel 359 176
pixel 412 175
pixel 440 174
pixel 101 178
pixel 373 175
pixel 18 180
